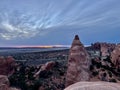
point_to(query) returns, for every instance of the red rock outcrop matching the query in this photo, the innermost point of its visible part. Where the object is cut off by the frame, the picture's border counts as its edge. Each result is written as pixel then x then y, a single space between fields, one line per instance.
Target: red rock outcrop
pixel 4 82
pixel 105 48
pixel 47 66
pixel 7 65
pixel 115 56
pixel 94 86
pixel 78 63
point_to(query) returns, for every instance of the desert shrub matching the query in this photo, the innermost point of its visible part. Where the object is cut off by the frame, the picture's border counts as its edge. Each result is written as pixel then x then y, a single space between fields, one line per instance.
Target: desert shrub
pixel 95 73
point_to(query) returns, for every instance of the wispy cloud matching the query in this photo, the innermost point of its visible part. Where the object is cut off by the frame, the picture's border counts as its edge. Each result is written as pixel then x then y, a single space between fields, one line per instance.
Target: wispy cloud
pixel 35 18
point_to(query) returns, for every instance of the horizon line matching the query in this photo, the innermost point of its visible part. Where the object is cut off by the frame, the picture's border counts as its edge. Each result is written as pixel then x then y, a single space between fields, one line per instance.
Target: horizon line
pixel 37 46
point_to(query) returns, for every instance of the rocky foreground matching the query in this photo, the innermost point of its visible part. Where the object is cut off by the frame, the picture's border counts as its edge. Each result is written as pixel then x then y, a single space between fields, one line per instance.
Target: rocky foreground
pixel 82 71
pixel 94 86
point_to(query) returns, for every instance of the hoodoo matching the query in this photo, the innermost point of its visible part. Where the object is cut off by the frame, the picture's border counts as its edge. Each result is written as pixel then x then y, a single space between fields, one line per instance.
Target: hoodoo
pixel 78 63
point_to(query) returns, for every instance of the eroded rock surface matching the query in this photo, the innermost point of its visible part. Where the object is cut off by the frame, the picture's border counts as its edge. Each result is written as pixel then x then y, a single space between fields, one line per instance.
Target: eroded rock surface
pixel 94 86
pixel 47 66
pixel 115 56
pixel 4 82
pixel 78 63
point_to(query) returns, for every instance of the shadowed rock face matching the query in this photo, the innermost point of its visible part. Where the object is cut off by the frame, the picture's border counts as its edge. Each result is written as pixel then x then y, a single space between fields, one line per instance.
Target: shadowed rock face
pixel 115 56
pixel 94 86
pixel 78 63
pixel 6 65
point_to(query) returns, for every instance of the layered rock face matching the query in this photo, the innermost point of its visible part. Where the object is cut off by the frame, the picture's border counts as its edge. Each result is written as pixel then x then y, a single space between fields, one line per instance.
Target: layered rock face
pixel 7 65
pixel 94 86
pixel 78 63
pixel 115 56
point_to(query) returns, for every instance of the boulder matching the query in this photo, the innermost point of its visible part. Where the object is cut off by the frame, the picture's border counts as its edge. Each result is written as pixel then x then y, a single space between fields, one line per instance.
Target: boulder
pixel 94 86
pixel 78 63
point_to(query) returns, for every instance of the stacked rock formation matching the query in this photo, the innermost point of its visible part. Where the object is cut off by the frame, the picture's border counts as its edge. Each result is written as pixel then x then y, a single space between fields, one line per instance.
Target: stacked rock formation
pixel 94 86
pixel 115 56
pixel 7 65
pixel 78 63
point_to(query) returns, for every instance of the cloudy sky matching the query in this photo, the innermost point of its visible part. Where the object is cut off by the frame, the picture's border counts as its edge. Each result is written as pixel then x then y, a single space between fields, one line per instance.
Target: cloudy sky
pixel 55 22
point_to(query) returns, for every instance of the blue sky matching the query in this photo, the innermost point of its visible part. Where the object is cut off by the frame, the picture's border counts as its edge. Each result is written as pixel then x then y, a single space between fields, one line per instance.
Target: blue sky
pixel 54 22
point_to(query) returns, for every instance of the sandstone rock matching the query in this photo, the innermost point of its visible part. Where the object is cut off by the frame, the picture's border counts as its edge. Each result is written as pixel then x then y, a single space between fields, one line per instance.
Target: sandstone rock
pixel 94 86
pixel 78 63
pixel 41 88
pixel 115 56
pixel 105 48
pixel 47 66
pixel 11 88
pixel 4 82
pixel 6 65
pixel 3 87
pixel 96 46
